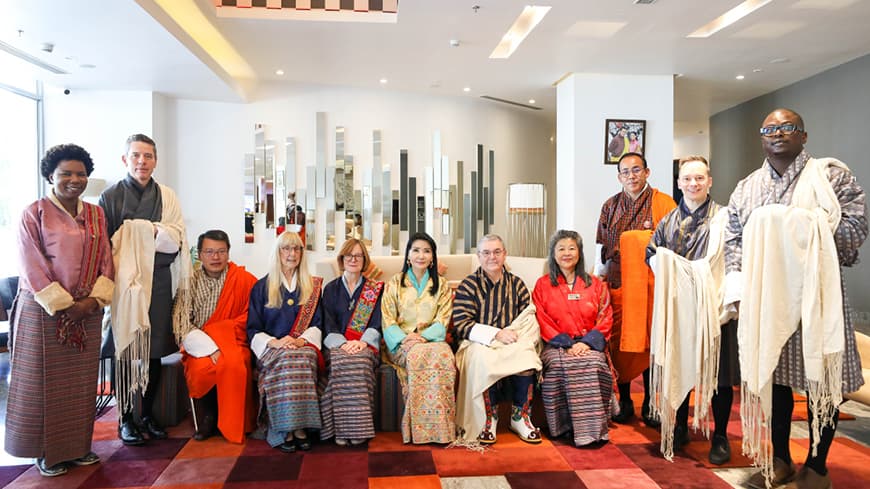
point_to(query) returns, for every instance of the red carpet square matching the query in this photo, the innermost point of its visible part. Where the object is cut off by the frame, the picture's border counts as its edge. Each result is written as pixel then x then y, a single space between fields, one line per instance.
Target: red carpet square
pixel 459 462
pixel 151 450
pixel 213 447
pixel 400 464
pixel 544 480
pixel 683 473
pixel 617 479
pixel 604 456
pixel 386 441
pixel 126 473
pixel 352 465
pixel 196 471
pixel 410 482
pixel 281 467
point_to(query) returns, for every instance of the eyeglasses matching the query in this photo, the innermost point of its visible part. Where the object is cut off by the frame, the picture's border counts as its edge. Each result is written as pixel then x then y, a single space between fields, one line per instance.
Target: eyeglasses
pixel 293 248
pixel 637 170
pixel 211 252
pixel 787 129
pixel 487 253
pixel 354 257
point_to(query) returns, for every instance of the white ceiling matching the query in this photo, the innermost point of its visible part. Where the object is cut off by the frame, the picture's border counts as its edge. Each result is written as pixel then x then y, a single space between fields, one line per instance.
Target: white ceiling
pixel 132 50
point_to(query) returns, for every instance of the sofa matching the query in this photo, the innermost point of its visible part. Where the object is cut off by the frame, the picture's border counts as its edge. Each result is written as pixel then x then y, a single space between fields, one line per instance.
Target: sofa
pixel 862 395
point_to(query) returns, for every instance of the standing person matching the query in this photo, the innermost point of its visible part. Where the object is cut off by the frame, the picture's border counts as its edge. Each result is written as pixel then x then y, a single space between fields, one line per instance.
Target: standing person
pixel 793 224
pixel 416 310
pixel 149 245
pixel 624 230
pixel 500 344
pixel 285 332
pixel 688 246
pixel 573 309
pixel 66 280
pixel 213 337
pixel 352 323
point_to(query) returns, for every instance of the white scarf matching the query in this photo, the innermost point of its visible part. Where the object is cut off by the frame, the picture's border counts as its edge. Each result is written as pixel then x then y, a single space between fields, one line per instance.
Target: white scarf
pixel 791 276
pixel 685 337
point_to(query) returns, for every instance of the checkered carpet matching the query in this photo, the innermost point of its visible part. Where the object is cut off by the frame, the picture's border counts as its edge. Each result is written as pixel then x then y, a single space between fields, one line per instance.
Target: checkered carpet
pixel 630 460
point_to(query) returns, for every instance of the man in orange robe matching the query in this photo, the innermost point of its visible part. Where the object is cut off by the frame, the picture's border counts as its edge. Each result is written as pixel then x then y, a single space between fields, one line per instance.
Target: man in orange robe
pixel 215 350
pixel 627 222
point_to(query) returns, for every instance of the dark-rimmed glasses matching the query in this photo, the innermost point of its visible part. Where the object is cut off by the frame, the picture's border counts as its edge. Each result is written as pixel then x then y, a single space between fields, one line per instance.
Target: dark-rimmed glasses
pixel 786 129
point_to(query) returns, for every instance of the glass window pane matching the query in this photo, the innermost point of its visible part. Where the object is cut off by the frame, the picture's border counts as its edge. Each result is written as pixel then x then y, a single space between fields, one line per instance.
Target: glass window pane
pixel 18 73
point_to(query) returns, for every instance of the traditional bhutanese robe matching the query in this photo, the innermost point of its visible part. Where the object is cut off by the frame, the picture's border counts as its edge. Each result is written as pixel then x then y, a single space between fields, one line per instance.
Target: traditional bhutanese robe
pixel 426 372
pixel 765 187
pixel 690 344
pixel 485 308
pixel 576 389
pixel 348 401
pixel 220 326
pixel 288 377
pixel 50 412
pixel 630 222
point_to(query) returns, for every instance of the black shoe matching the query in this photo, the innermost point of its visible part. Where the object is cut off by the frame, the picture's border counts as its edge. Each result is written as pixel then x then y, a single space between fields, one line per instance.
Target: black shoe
pixel 681 437
pixel 652 421
pixel 287 446
pixel 206 428
pixel 154 431
pixel 720 450
pixel 129 434
pixel 626 412
pixel 303 443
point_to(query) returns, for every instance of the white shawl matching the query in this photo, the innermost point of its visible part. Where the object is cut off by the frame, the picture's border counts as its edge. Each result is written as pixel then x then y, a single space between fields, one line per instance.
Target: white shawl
pixel 481 366
pixel 685 336
pixel 791 279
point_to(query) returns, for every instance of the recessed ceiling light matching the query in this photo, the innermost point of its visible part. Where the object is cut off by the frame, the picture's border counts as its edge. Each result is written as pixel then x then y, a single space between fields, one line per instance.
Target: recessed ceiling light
pixel 383 81
pixel 466 89
pixel 740 77
pixel 531 101
pixel 527 20
pixel 279 72
pixel 779 60
pixel 757 70
pixel 729 18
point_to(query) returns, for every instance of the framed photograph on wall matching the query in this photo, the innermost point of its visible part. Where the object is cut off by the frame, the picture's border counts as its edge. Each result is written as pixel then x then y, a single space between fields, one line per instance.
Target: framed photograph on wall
pixel 623 136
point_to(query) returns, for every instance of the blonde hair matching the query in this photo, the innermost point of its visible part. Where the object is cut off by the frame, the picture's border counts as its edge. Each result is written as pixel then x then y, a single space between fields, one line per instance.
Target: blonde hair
pixel 346 248
pixel 303 277
pixel 689 159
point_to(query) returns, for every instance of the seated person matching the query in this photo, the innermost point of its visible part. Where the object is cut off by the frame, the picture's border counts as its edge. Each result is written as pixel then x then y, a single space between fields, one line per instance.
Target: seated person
pixel 284 328
pixel 573 310
pixel 416 309
pixel 352 323
pixel 210 327
pixel 500 341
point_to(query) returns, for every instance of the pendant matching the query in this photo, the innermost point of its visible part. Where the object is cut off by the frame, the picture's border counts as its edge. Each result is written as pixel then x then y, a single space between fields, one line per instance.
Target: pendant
pixel 290 301
pixel 350 306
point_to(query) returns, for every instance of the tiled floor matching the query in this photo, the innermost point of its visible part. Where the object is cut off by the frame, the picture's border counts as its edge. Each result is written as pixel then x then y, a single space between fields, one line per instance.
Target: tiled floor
pixel 631 460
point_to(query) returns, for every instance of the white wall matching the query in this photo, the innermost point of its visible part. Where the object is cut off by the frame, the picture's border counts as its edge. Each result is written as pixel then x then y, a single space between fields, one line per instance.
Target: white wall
pixel 584 102
pixel 208 141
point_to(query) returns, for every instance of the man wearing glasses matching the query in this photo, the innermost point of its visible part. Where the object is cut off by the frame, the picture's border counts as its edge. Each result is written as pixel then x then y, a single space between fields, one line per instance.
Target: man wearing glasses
pixel 624 230
pixel 499 340
pixel 793 224
pixel 210 327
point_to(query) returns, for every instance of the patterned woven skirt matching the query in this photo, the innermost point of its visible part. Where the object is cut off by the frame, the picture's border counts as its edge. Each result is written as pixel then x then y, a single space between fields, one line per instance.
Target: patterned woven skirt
pixel 288 391
pixel 576 392
pixel 52 390
pixel 428 376
pixel 347 404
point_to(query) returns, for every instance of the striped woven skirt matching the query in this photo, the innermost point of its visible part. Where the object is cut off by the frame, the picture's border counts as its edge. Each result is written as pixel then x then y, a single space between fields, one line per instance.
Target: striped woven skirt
pixel 428 383
pixel 347 404
pixel 52 390
pixel 288 391
pixel 576 392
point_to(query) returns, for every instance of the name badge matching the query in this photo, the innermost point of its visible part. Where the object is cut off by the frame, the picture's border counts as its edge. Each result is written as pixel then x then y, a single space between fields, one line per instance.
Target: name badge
pixel 573 297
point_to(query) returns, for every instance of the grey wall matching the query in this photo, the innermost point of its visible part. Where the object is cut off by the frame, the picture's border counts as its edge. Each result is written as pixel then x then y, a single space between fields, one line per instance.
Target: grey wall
pixel 835 106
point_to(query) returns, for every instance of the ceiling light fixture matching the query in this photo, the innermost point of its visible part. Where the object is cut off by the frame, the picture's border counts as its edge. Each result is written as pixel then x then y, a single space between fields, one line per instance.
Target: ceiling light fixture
pixel 757 70
pixel 531 101
pixel 279 72
pixel 739 77
pixel 527 20
pixel 383 81
pixel 466 89
pixel 729 18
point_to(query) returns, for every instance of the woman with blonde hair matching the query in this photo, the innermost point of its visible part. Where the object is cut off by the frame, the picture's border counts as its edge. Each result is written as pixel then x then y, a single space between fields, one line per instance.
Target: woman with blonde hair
pixel 352 323
pixel 416 309
pixel 284 329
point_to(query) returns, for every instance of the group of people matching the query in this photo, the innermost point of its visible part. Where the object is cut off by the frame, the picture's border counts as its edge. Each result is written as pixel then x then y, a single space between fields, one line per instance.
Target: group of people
pixel 661 301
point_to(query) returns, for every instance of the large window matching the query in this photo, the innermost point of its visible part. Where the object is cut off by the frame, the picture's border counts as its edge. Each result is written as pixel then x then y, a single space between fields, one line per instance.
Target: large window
pixel 19 155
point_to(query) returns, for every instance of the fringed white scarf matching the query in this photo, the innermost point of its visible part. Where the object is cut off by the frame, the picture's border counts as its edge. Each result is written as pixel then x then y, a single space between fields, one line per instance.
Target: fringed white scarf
pixel 685 337
pixel 482 366
pixel 791 276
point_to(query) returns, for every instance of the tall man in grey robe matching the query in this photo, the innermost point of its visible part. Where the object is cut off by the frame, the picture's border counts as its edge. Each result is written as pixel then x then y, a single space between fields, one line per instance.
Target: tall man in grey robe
pixel 783 136
pixel 139 196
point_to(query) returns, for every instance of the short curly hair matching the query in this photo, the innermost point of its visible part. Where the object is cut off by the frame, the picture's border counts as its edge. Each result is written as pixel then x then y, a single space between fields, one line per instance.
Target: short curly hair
pixel 63 152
